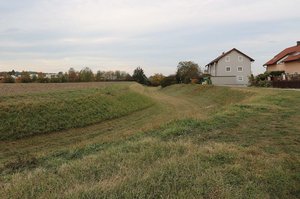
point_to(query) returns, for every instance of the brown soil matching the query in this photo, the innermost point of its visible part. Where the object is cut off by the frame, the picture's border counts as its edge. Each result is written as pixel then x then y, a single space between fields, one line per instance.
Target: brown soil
pixel 18 88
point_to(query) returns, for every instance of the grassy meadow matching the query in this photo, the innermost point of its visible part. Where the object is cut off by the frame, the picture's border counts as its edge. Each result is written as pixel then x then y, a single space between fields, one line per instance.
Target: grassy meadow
pixel 184 141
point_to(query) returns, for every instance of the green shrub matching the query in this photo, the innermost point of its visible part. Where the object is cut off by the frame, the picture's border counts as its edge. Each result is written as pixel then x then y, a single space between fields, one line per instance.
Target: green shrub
pixel 260 80
pixel 168 81
pixel 276 73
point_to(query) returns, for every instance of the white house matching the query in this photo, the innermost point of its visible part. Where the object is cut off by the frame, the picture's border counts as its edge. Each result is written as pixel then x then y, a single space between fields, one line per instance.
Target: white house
pixel 230 68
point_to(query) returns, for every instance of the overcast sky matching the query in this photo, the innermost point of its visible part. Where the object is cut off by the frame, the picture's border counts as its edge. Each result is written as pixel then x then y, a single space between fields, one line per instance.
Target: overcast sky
pixel 54 35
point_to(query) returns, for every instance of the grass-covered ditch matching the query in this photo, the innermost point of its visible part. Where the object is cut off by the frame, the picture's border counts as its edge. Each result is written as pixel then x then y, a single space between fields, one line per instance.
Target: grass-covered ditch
pixel 247 149
pixel 39 113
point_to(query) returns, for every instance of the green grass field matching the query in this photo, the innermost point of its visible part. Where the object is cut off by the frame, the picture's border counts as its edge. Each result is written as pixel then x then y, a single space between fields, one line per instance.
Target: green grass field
pixel 184 141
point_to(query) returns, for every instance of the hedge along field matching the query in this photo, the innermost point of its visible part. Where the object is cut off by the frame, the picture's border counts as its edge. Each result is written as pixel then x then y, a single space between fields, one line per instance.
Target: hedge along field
pixel 31 114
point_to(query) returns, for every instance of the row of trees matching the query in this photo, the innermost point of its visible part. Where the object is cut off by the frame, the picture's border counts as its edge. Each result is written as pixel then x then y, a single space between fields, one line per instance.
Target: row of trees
pixel 84 75
pixel 187 72
pixel 87 75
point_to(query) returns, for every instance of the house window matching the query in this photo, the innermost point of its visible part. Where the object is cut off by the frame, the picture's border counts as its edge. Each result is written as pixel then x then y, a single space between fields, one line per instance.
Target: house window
pixel 227 69
pixel 240 68
pixel 227 59
pixel 240 78
pixel 240 58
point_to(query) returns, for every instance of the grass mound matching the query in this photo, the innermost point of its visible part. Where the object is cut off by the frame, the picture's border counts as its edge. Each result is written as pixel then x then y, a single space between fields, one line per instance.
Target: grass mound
pixel 208 95
pixel 31 114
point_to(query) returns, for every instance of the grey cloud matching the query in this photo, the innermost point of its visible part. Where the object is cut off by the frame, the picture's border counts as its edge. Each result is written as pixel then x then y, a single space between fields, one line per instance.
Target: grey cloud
pixel 155 34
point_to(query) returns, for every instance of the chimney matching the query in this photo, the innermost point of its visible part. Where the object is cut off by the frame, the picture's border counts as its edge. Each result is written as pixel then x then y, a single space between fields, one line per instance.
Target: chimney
pixel 298 43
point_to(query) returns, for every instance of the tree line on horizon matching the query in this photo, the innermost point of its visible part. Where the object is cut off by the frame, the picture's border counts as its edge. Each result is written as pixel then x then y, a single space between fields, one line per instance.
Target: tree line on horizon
pixel 84 75
pixel 187 72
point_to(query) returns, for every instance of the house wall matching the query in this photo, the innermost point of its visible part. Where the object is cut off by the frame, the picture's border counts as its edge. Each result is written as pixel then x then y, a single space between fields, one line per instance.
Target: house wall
pixel 212 69
pixel 276 67
pixel 223 80
pixel 234 63
pixel 290 67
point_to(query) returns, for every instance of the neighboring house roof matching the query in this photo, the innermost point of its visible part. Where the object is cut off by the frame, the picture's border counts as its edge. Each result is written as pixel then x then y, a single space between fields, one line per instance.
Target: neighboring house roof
pixel 292 58
pixel 289 54
pixel 224 54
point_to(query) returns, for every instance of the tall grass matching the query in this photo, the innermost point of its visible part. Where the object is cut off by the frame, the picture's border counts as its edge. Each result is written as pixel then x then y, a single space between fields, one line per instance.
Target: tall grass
pixel 31 114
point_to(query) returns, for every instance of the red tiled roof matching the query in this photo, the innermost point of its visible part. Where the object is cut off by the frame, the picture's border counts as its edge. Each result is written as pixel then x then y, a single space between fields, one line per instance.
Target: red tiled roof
pixel 287 52
pixel 292 58
pixel 224 54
